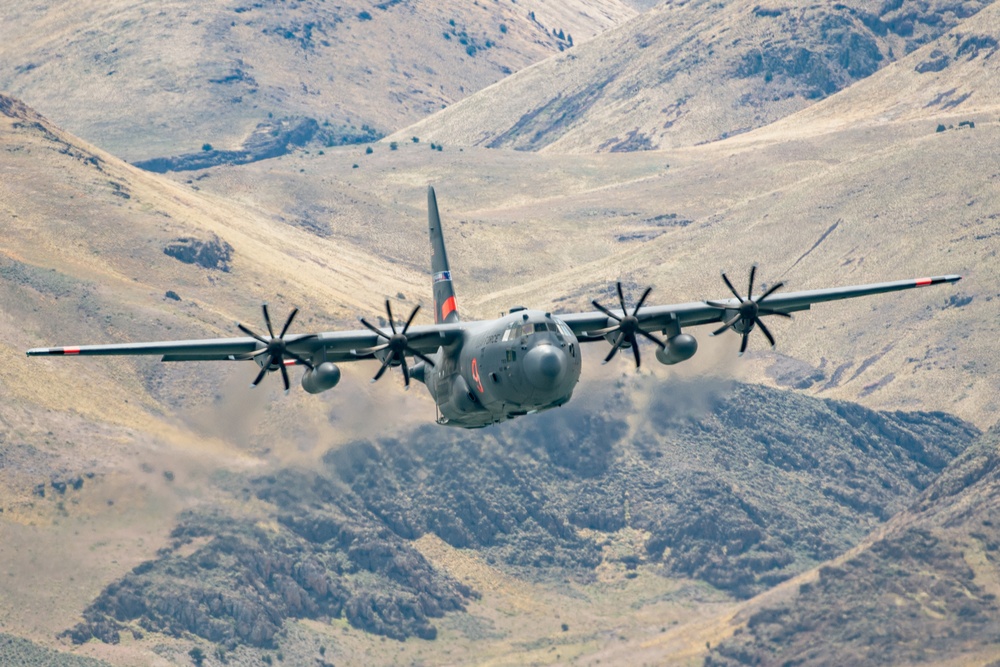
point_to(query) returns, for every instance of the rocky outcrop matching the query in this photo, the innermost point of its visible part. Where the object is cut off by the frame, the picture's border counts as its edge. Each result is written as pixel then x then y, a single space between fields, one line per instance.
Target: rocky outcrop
pixel 739 486
pixel 269 140
pixel 211 254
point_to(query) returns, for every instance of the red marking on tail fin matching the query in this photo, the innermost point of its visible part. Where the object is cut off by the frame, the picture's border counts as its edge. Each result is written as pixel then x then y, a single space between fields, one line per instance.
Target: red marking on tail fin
pixel 448 308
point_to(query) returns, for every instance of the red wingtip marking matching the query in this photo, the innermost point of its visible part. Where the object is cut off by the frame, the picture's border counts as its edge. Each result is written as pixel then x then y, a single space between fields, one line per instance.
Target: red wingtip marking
pixel 448 308
pixel 921 282
pixel 71 350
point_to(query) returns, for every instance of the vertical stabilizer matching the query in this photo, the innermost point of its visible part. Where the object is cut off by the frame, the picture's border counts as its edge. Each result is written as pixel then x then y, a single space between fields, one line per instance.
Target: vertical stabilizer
pixel 445 309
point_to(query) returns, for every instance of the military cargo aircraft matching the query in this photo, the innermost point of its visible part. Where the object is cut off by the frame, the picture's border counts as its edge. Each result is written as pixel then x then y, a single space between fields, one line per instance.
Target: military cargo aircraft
pixel 485 372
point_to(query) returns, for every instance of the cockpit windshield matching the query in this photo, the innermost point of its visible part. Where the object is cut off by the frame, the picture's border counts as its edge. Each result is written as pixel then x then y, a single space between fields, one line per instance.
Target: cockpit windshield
pixel 529 328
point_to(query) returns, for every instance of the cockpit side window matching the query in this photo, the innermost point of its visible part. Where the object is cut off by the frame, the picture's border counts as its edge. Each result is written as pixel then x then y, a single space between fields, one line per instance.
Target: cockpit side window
pixel 563 328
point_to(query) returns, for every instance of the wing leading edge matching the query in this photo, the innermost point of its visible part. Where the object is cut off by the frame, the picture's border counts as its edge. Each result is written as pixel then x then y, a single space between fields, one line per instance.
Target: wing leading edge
pixel 336 346
pixel 696 313
pixel 345 346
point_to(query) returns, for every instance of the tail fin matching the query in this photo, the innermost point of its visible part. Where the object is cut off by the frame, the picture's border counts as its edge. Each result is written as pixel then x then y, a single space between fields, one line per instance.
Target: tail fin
pixel 445 309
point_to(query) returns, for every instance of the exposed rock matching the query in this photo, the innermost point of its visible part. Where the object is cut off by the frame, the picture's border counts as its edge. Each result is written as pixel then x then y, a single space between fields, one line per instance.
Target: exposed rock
pixel 740 486
pixel 269 140
pixel 911 597
pixel 211 254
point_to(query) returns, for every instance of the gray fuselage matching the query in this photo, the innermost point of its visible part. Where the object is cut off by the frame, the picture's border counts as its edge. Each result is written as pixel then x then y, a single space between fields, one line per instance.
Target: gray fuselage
pixel 525 362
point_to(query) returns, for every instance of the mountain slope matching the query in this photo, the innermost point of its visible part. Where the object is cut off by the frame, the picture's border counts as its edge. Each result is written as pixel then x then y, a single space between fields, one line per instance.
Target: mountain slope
pixel 150 79
pixel 921 591
pixel 687 73
pixel 706 481
pixel 954 74
pixel 816 201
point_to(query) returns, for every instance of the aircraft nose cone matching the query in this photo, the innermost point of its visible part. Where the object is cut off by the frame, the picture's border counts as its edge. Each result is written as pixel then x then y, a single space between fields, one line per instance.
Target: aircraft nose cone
pixel 545 366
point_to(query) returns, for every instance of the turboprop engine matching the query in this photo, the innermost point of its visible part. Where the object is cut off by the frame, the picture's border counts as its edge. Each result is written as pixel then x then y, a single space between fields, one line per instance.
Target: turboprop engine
pixel 320 378
pixel 678 348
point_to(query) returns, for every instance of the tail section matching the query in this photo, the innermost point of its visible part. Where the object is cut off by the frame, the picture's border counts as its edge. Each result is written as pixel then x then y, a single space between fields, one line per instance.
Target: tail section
pixel 445 308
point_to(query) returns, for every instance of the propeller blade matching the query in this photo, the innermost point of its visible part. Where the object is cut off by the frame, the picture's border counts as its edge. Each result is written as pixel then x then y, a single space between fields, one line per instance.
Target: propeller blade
pixel 765 331
pixel 649 336
pixel 717 304
pixel 421 356
pixel 369 350
pixel 770 290
pixel 302 360
pixel 263 372
pixel 288 322
pixel 388 310
pixel 743 343
pixel 267 320
pixel 601 332
pixel 606 311
pixel 284 375
pixel 731 288
pixel 413 314
pixel 635 351
pixel 385 364
pixel 614 348
pixel 642 300
pixel 730 322
pixel 251 333
pixel 779 313
pixel 753 272
pixel 406 374
pixel 372 328
pixel 621 297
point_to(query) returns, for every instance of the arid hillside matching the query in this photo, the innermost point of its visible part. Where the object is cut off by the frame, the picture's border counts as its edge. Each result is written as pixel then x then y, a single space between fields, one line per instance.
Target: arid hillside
pixel 830 499
pixel 686 73
pixel 921 590
pixel 893 182
pixel 145 79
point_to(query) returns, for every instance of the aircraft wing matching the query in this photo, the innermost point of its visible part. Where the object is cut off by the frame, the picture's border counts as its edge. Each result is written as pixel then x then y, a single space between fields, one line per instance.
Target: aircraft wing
pixel 661 318
pixel 336 346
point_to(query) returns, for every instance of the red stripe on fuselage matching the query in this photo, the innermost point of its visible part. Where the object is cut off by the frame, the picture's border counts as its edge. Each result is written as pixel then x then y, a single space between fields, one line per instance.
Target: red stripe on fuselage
pixel 447 308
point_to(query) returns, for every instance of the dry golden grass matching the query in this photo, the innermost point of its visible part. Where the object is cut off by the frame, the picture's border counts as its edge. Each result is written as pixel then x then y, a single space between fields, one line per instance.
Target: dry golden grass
pixel 148 79
pixel 542 230
pixel 671 78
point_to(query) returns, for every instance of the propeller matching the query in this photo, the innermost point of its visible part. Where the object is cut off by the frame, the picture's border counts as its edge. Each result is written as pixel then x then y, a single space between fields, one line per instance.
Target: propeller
pixel 627 327
pixel 276 348
pixel 749 311
pixel 396 346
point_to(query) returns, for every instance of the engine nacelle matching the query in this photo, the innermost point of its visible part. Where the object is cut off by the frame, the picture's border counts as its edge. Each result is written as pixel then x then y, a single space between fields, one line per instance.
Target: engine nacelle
pixel 679 348
pixel 322 377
